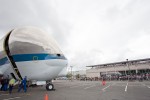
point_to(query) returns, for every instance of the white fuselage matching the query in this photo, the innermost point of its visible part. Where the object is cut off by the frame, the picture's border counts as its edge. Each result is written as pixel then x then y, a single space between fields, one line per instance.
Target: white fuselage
pixel 35 54
pixel 37 70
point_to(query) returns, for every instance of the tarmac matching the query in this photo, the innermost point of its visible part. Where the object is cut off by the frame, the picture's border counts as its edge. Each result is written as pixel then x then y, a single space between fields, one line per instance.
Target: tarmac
pixel 85 90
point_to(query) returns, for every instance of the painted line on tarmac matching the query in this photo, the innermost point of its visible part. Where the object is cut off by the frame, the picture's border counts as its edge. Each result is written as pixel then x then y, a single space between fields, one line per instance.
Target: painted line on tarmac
pixel 12 98
pixel 89 86
pixel 145 85
pixel 106 87
pixel 126 88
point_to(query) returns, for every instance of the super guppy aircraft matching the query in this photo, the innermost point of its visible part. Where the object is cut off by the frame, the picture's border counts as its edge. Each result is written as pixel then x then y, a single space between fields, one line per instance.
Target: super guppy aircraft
pixel 31 52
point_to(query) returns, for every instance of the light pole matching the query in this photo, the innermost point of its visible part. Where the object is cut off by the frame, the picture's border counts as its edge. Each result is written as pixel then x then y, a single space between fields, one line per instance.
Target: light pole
pixel 71 72
pixel 129 69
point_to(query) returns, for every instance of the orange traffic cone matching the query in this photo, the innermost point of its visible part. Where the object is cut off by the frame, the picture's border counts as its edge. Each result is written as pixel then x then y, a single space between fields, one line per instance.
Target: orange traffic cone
pixel 103 82
pixel 46 97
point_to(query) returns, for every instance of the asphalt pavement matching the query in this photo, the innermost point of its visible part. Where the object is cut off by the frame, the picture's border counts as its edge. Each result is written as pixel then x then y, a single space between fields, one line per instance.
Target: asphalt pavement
pixel 85 90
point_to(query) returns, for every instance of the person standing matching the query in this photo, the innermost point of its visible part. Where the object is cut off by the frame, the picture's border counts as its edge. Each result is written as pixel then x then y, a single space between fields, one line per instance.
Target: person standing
pixel 6 82
pixel 11 84
pixel 20 85
pixel 2 83
pixel 23 85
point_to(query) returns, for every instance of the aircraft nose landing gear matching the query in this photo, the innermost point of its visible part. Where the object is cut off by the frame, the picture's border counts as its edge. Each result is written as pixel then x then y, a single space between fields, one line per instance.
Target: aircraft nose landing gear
pixel 49 87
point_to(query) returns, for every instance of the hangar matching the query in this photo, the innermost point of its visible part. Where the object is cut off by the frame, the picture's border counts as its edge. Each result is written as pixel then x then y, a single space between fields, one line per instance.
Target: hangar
pixel 124 68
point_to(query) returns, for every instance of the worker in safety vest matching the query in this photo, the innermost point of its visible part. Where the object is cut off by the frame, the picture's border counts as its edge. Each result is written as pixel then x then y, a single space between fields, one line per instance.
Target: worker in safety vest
pixel 11 85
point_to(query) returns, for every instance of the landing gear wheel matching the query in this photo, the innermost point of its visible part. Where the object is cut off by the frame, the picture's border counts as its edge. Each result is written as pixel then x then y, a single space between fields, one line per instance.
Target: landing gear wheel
pixel 49 87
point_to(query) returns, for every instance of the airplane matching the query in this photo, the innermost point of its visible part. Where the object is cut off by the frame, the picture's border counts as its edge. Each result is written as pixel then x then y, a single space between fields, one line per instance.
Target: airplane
pixel 31 52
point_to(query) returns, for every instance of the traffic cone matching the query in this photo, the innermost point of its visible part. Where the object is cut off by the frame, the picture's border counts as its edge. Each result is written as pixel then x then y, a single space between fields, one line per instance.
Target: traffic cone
pixel 103 82
pixel 46 97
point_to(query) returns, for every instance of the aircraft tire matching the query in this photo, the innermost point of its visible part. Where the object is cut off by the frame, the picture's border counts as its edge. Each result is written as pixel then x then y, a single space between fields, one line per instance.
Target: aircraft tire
pixel 49 86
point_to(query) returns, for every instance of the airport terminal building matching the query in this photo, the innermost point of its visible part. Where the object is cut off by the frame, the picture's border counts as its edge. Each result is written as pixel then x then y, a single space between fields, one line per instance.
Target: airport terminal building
pixel 124 68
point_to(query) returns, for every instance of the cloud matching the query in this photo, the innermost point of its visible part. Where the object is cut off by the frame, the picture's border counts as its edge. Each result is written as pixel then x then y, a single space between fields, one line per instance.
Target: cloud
pixel 42 14
pixel 88 31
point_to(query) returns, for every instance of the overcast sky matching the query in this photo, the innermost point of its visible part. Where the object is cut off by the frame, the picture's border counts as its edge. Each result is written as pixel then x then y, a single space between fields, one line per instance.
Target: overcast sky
pixel 88 31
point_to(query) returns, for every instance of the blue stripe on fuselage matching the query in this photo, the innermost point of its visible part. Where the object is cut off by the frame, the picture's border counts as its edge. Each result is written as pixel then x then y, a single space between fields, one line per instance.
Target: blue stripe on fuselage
pixel 3 61
pixel 31 57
